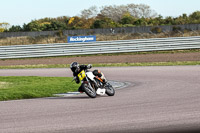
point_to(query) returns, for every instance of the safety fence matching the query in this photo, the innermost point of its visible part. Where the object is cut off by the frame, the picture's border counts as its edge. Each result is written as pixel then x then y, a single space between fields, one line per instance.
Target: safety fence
pixel 122 30
pixel 99 47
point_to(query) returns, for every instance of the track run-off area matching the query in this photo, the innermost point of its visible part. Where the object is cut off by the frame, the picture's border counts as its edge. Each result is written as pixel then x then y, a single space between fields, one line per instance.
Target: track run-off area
pixel 157 99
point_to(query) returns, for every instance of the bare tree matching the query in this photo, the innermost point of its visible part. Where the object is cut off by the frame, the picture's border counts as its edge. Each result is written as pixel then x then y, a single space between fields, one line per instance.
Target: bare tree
pixel 138 11
pixel 89 13
pixel 141 10
pixel 114 12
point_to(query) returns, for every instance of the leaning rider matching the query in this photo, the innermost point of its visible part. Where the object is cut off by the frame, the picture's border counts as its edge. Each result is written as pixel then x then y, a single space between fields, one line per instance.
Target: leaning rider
pixel 76 69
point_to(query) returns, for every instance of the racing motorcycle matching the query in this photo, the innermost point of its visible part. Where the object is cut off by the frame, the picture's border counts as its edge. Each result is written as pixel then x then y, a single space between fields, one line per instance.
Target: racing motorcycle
pixel 93 85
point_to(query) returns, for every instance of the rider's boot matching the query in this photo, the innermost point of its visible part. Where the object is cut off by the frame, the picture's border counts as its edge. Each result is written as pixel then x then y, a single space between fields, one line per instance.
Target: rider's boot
pixel 80 89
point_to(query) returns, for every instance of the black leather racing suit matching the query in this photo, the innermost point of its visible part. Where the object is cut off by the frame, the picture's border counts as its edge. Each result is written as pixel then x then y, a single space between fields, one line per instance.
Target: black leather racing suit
pixel 76 72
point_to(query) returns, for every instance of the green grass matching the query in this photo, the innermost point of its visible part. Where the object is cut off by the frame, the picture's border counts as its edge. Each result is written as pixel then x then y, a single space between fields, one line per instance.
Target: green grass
pixel 12 88
pixel 183 63
pixel 35 66
pixel 149 64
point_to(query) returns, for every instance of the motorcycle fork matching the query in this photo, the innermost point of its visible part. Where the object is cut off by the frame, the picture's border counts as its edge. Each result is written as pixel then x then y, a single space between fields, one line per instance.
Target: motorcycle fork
pixel 89 83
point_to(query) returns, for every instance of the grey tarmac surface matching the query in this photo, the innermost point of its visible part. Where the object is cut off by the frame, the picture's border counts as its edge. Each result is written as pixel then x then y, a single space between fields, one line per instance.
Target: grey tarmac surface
pixel 158 99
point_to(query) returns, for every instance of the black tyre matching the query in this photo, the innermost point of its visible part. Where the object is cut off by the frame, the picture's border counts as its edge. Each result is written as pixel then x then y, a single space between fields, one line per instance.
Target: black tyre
pixel 110 91
pixel 89 91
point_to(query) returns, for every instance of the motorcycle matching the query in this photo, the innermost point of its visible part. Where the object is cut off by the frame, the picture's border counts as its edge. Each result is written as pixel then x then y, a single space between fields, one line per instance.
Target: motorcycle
pixel 93 85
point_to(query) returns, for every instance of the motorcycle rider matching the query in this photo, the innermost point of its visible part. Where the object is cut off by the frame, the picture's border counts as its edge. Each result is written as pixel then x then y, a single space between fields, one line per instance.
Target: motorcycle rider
pixel 76 69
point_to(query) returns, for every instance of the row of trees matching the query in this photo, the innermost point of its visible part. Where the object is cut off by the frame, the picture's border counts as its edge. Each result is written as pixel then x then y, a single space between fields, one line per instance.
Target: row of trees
pixel 106 17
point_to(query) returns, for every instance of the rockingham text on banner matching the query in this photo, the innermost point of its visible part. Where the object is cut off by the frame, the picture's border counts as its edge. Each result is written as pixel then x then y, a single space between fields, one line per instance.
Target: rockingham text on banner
pixel 74 39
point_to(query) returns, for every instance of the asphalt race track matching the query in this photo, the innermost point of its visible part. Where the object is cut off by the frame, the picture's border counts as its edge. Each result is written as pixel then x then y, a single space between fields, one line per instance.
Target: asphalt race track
pixel 158 99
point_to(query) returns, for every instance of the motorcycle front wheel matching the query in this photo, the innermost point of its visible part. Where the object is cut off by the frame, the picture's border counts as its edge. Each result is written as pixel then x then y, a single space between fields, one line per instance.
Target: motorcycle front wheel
pixel 110 91
pixel 89 91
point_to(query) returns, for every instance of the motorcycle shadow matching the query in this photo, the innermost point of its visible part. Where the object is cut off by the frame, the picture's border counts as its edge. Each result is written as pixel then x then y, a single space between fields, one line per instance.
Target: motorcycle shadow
pixel 71 97
pixel 76 97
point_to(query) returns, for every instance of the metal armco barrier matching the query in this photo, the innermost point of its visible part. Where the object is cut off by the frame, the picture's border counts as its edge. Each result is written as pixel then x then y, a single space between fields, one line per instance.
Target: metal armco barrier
pixel 62 49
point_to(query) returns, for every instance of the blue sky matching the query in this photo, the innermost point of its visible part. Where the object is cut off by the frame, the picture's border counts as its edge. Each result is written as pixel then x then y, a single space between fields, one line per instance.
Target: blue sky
pixel 17 12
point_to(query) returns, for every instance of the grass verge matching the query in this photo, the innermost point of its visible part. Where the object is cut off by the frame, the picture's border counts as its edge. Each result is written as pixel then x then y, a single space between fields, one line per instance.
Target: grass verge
pixel 12 88
pixel 183 63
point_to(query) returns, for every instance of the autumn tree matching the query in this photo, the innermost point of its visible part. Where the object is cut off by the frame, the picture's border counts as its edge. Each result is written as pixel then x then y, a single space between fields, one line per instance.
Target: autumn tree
pixel 16 28
pixel 32 26
pixel 195 17
pixel 127 19
pixel 169 21
pixel 181 20
pixel 4 26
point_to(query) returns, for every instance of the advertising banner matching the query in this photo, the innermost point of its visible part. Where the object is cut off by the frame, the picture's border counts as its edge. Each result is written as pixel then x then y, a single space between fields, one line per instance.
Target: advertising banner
pixel 74 39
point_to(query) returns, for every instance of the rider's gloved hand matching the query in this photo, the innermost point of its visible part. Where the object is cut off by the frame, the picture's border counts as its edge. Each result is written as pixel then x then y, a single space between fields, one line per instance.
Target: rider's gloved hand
pixel 76 80
pixel 89 66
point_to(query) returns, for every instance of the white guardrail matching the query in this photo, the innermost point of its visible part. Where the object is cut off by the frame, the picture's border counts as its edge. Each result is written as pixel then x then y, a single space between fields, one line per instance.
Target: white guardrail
pixel 62 49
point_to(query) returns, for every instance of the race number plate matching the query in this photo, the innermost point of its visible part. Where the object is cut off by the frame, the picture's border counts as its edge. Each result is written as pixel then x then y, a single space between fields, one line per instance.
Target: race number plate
pixel 81 75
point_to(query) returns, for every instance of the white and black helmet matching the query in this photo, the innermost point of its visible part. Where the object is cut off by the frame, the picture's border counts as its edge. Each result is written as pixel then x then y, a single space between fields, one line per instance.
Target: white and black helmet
pixel 74 66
